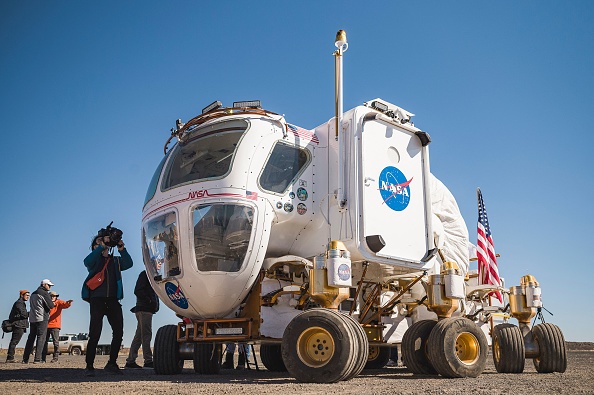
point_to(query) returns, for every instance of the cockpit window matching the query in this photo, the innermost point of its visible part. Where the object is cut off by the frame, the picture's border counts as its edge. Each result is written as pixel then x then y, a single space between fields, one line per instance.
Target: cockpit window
pixel 222 236
pixel 153 185
pixel 160 246
pixel 206 154
pixel 284 165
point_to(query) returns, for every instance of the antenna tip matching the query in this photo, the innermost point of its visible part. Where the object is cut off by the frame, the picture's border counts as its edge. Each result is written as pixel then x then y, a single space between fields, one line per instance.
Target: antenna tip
pixel 341 39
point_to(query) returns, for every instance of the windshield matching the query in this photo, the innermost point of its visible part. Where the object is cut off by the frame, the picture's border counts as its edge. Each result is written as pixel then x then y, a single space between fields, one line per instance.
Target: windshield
pixel 160 246
pixel 206 154
pixel 221 236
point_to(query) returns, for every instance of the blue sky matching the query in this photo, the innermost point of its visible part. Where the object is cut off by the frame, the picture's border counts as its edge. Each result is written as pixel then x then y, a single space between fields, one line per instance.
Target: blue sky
pixel 89 91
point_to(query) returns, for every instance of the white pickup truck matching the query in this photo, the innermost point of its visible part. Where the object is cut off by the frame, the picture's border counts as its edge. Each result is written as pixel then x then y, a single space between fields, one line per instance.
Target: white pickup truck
pixel 73 344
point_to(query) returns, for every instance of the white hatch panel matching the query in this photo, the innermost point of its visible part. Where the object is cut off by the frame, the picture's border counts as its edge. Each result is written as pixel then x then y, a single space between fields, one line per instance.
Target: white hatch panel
pixel 393 199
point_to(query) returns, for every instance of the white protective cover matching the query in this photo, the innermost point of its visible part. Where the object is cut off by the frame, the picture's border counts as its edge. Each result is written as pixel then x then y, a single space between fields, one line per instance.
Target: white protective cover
pixel 276 318
pixel 452 236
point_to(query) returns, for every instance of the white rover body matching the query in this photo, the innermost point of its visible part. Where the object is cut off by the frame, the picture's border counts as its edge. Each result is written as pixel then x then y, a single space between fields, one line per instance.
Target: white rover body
pixel 323 247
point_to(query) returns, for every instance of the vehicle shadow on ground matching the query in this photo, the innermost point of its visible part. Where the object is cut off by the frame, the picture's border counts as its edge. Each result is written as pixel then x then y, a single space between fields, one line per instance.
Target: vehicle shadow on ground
pixel 244 377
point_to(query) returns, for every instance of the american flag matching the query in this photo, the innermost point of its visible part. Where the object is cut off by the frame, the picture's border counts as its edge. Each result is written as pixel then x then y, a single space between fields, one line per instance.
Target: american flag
pixel 485 250
pixel 305 134
pixel 251 195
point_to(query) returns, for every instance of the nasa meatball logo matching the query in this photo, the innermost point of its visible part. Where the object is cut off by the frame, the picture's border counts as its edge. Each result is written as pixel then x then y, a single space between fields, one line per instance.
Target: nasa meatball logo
pixel 176 295
pixel 394 188
pixel 344 272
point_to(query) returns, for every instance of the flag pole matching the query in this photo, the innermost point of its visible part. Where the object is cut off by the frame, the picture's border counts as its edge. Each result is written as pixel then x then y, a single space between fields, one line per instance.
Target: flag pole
pixel 484 276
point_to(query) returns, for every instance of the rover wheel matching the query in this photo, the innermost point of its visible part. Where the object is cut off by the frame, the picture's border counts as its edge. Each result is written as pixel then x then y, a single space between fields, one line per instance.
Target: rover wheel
pixel 378 357
pixel 457 347
pixel 361 344
pixel 272 357
pixel 207 358
pixel 319 347
pixel 414 347
pixel 552 355
pixel 508 349
pixel 166 352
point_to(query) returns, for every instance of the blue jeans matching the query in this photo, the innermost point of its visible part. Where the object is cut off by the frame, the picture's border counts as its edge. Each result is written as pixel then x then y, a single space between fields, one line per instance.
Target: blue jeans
pixel 242 348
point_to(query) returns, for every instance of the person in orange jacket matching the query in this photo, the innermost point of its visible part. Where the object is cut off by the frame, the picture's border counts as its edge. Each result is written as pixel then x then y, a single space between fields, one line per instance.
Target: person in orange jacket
pixel 55 324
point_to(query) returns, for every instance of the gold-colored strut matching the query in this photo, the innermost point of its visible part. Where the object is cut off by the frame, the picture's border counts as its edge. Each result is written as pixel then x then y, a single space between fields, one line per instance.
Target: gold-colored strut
pixel 527 279
pixel 437 301
pixel 320 292
pixel 517 300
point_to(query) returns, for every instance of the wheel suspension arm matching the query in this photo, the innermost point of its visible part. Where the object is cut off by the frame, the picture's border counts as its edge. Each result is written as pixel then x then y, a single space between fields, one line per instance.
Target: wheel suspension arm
pixel 394 299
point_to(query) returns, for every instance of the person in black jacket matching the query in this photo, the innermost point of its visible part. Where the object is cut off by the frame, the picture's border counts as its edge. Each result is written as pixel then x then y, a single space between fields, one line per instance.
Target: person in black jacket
pixel 19 316
pixel 147 304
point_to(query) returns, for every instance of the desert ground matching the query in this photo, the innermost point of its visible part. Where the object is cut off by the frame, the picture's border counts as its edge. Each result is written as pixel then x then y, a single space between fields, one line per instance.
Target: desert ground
pixel 67 377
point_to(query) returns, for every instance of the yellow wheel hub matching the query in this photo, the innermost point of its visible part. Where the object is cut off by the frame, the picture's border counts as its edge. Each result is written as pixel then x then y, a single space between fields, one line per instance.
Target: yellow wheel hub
pixel 496 351
pixel 467 348
pixel 374 352
pixel 315 347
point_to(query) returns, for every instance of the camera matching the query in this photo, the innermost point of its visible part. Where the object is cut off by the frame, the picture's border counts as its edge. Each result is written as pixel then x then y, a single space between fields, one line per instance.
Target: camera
pixel 115 235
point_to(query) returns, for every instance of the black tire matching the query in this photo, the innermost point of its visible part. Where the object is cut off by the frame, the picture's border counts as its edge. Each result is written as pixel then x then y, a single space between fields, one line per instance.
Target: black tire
pixel 207 358
pixel 457 348
pixel 378 357
pixel 166 357
pixel 414 347
pixel 319 346
pixel 272 357
pixel 362 346
pixel 551 347
pixel 76 351
pixel 509 353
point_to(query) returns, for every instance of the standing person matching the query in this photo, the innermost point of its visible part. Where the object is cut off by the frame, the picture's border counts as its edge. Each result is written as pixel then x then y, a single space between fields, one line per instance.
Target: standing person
pixel 41 304
pixel 104 300
pixel 55 324
pixel 147 304
pixel 242 358
pixel 19 316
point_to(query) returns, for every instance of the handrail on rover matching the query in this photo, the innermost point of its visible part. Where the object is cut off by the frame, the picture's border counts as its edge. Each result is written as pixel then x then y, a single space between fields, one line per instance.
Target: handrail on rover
pixel 203 118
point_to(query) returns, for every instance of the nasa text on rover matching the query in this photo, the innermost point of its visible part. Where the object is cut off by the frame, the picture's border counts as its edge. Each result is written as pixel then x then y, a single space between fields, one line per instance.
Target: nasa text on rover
pixel 326 247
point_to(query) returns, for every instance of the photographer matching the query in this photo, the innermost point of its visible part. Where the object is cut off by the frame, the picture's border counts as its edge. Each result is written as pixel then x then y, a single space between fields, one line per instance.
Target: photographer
pixel 105 299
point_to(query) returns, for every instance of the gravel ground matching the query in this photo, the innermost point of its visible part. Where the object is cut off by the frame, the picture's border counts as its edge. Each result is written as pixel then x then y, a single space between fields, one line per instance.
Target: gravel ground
pixel 67 377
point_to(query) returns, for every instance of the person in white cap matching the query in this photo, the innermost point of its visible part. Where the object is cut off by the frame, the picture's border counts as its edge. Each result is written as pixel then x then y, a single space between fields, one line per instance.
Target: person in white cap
pixel 41 304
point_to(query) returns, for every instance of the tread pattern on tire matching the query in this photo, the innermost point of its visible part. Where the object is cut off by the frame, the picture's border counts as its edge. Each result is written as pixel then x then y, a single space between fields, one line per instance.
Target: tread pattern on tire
pixel 552 349
pixel 413 346
pixel 512 353
pixel 441 348
pixel 207 358
pixel 166 351
pixel 362 348
pixel 272 358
